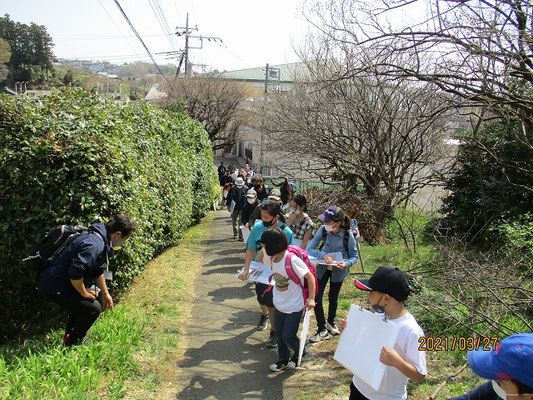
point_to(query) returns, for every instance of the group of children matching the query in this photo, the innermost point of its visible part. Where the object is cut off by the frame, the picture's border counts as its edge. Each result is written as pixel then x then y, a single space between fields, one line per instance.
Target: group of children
pixel 283 304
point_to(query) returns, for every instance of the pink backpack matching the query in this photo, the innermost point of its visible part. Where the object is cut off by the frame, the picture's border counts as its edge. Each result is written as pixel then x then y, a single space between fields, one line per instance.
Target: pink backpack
pixel 302 254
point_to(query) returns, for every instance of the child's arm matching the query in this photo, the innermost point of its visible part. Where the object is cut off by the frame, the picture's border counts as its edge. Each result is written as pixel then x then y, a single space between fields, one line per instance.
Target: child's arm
pixel 393 359
pixel 250 255
pixel 310 303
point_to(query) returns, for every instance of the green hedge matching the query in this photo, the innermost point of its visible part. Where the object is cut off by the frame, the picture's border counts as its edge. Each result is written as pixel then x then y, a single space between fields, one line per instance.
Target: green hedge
pixel 78 157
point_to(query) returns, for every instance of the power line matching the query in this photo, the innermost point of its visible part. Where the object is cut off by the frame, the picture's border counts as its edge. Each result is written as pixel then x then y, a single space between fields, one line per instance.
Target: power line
pixel 158 12
pixel 116 26
pixel 142 42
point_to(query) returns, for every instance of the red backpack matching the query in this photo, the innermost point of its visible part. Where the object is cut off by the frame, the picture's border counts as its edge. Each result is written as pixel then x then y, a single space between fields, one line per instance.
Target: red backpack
pixel 302 254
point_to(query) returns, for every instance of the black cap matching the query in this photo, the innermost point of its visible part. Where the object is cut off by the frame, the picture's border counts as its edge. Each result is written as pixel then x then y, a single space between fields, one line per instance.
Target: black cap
pixel 388 280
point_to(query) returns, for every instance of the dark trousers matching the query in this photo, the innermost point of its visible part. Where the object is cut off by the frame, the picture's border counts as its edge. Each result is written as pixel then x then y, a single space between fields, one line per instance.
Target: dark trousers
pixel 355 394
pixel 286 329
pixel 82 313
pixel 333 296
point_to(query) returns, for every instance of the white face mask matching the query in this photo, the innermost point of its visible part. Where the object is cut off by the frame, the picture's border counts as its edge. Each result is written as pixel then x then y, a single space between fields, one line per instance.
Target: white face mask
pixel 329 228
pixel 251 200
pixel 502 394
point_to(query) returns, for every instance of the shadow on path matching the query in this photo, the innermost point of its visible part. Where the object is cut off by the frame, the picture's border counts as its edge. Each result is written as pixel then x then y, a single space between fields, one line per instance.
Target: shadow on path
pixel 225 356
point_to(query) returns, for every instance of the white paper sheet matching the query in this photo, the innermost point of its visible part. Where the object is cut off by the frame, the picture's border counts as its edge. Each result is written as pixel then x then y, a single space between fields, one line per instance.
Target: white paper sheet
pixel 259 272
pixel 303 334
pixel 232 206
pixel 245 233
pixel 361 342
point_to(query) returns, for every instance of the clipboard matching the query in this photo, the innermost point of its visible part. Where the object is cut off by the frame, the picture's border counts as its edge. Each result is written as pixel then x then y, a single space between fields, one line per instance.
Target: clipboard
pixel 360 345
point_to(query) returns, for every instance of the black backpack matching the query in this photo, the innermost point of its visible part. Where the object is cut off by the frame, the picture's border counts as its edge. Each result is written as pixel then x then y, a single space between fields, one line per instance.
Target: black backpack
pixel 53 243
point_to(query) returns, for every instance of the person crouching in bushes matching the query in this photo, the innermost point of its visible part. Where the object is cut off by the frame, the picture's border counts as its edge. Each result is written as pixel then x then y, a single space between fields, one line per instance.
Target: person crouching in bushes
pixel 271 218
pixel 288 296
pixel 299 222
pixel 332 237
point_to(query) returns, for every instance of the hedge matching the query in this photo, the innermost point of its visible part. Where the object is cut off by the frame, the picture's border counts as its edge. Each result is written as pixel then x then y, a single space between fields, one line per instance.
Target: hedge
pixel 76 157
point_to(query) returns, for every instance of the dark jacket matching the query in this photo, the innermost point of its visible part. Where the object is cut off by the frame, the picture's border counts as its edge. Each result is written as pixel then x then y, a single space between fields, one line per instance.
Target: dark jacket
pixel 238 195
pixel 247 210
pixel 85 258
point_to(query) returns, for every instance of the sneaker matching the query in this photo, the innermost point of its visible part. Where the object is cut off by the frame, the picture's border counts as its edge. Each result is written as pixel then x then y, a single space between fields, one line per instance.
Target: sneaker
pixel 241 240
pixel 279 365
pixel 271 342
pixel 293 361
pixel 332 328
pixel 319 336
pixel 262 323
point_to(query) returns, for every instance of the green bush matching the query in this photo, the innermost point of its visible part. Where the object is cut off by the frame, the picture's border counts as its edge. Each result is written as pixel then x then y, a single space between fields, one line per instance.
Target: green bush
pixel 77 157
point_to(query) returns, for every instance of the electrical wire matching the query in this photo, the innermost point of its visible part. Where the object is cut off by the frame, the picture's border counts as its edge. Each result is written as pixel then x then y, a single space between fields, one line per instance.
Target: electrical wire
pixel 142 42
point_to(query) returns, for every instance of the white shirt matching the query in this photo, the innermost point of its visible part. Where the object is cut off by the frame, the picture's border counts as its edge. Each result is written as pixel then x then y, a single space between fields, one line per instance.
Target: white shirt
pixel 288 296
pixel 394 384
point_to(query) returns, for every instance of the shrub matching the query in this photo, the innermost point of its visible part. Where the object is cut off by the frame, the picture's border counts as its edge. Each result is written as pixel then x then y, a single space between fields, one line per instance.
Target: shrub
pixel 77 157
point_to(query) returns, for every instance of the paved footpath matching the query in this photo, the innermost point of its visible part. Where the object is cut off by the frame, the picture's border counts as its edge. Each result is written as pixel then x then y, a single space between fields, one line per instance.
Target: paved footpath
pixel 226 357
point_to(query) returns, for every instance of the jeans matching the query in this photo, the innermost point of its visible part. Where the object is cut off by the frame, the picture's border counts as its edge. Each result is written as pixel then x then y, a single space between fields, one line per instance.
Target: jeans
pixel 333 296
pixel 82 313
pixel 286 329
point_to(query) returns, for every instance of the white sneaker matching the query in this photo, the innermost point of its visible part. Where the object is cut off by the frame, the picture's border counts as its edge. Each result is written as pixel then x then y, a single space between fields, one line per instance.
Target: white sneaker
pixel 332 328
pixel 319 336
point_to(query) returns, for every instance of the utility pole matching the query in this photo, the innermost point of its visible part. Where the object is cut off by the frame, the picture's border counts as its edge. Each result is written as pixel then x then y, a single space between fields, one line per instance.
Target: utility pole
pixel 187 33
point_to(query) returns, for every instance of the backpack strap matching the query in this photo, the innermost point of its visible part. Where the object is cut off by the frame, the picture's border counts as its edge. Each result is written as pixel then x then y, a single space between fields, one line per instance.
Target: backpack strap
pixel 290 272
pixel 324 236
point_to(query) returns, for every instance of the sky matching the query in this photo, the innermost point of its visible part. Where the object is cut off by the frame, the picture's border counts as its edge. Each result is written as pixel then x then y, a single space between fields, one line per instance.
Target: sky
pixel 253 32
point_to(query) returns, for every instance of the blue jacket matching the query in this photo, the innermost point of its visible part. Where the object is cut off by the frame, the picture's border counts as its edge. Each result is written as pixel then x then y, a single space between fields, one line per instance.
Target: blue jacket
pixel 334 243
pixel 85 258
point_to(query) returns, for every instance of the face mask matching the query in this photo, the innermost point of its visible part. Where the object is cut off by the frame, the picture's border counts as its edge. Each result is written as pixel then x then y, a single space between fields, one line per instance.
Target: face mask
pixel 269 223
pixel 251 201
pixel 329 228
pixel 502 394
pixel 296 212
pixel 118 243
pixel 377 308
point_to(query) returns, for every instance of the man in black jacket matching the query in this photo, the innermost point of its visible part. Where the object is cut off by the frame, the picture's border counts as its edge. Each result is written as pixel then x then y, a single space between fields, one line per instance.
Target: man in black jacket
pixel 68 279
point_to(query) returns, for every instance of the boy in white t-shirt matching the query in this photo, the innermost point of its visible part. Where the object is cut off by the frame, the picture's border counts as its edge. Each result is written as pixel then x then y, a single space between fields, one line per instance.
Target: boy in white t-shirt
pixel 388 288
pixel 288 296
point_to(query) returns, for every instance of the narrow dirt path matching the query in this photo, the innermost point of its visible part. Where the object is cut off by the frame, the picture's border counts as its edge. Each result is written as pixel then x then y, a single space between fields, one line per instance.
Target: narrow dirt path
pixel 225 356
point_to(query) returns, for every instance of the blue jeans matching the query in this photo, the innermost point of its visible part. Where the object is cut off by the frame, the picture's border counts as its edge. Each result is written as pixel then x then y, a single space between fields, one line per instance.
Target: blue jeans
pixel 286 329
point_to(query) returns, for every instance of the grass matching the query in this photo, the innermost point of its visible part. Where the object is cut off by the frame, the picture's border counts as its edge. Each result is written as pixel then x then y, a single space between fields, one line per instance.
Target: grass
pixel 131 348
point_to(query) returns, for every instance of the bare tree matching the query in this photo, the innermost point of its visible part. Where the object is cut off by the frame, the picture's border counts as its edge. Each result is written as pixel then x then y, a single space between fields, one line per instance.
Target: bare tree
pixel 480 52
pixel 214 102
pixel 386 135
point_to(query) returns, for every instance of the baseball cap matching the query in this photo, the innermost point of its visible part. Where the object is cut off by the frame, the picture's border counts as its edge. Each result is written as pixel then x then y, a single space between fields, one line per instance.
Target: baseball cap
pixel 239 182
pixel 251 193
pixel 275 194
pixel 512 358
pixel 332 214
pixel 388 280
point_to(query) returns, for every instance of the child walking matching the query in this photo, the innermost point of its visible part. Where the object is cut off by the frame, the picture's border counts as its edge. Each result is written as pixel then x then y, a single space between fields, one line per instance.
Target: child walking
pixel 335 236
pixel 271 218
pixel 288 296
pixel 387 289
pixel 299 222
